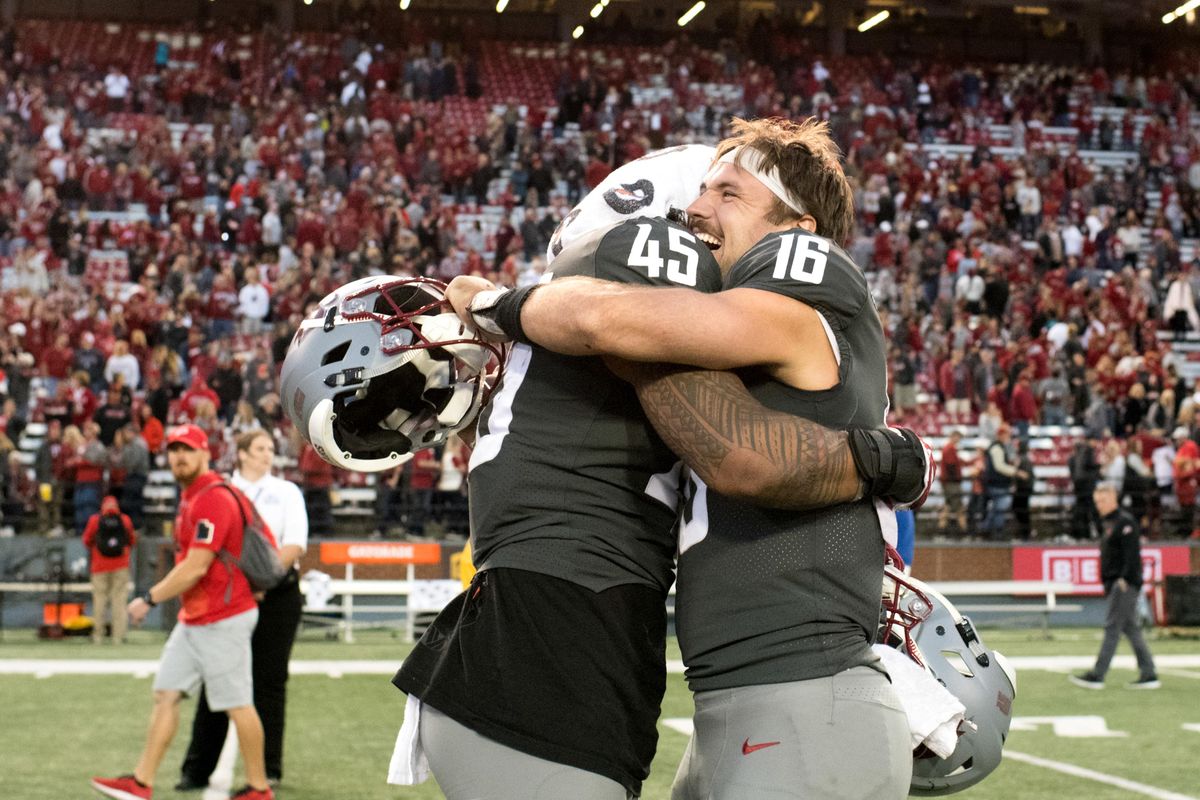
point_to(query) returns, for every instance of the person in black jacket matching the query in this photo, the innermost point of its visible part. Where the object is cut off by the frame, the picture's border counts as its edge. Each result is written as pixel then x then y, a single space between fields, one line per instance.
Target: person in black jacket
pixel 1085 471
pixel 1023 492
pixel 1121 572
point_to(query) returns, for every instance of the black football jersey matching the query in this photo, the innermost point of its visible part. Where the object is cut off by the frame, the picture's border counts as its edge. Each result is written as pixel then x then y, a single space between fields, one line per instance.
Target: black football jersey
pixel 568 478
pixel 768 595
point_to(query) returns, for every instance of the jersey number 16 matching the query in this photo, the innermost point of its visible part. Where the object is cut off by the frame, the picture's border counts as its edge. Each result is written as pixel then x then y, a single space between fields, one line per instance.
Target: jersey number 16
pixel 806 264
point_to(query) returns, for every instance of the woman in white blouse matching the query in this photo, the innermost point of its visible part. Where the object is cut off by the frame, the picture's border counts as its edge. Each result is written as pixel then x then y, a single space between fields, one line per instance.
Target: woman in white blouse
pixel 281 505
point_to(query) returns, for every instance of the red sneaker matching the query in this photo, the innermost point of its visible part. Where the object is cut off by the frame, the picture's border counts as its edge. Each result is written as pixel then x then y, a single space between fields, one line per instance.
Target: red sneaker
pixel 250 793
pixel 125 787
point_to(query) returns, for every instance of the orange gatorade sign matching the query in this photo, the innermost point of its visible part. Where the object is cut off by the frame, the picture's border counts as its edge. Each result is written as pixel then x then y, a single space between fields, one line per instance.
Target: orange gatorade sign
pixel 381 552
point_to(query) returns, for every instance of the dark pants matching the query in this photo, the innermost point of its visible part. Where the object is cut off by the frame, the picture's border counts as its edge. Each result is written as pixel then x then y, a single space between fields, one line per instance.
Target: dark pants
pixel 1187 520
pixel 995 522
pixel 132 499
pixel 1020 510
pixel 320 510
pixel 271 647
pixel 1084 517
pixel 418 508
pixel 87 503
pixel 1122 619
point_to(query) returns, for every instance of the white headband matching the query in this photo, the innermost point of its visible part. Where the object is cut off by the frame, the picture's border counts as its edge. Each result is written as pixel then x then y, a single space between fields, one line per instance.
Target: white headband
pixel 752 160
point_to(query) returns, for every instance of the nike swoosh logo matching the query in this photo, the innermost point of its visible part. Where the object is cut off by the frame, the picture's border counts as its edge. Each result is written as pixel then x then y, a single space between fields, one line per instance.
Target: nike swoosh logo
pixel 748 748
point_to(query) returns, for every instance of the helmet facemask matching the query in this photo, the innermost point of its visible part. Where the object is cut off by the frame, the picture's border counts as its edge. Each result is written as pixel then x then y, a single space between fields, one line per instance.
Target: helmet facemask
pixel 396 374
pixel 920 622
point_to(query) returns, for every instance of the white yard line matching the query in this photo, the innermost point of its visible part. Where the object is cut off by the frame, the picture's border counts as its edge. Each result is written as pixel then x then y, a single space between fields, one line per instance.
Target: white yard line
pixel 1098 777
pixel 220 783
pixel 142 668
pixel 1066 664
pixel 44 668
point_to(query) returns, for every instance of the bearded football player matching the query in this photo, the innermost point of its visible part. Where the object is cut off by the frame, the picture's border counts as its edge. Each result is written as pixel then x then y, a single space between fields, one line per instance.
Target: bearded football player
pixel 546 675
pixel 776 608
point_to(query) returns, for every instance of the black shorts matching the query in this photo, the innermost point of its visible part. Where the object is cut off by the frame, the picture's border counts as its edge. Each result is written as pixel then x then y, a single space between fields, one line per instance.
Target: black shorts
pixel 550 668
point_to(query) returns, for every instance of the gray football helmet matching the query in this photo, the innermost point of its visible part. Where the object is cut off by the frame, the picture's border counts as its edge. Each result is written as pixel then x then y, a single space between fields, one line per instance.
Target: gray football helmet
pixel 378 371
pixel 924 624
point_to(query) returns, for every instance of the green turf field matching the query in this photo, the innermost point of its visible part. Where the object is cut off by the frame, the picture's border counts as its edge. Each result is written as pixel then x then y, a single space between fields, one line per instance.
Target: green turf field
pixel 58 731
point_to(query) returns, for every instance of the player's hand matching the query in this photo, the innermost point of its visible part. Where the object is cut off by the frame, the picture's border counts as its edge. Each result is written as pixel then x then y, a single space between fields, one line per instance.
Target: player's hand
pixel 137 609
pixel 896 465
pixel 1122 584
pixel 461 291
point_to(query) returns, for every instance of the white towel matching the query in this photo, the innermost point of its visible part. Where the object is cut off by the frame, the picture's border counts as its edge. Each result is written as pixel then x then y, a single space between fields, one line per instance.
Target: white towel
pixel 934 714
pixel 887 522
pixel 409 765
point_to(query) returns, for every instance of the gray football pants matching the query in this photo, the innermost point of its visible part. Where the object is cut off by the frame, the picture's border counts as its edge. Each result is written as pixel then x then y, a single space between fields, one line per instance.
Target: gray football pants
pixel 835 738
pixel 1122 618
pixel 469 766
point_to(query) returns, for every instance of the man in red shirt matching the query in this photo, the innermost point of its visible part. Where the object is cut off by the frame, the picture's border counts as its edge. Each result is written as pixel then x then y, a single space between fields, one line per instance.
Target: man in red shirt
pixel 211 643
pixel 199 390
pixel 1023 406
pixel 952 491
pixel 110 569
pixel 954 380
pixel 1187 479
pixel 316 480
pixel 426 466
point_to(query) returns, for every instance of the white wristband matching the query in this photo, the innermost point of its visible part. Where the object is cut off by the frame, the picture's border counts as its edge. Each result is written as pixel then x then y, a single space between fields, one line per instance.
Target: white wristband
pixel 483 310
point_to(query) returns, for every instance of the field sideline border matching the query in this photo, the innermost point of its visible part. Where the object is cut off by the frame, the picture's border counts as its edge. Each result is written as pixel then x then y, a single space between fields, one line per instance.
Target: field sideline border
pixel 222 777
pixel 46 667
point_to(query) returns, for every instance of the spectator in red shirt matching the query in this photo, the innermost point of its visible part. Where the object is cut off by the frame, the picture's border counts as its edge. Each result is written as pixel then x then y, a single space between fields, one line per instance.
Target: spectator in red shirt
pixel 151 427
pixel 198 392
pixel 211 644
pixel 1023 406
pixel 222 306
pixel 110 572
pixel 951 473
pixel 422 480
pixel 954 381
pixel 88 460
pixel 83 400
pixel 56 361
pixel 1187 480
pixel 316 478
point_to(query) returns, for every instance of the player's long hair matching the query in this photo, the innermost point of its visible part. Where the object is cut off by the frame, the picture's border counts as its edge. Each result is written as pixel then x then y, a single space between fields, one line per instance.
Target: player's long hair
pixel 809 164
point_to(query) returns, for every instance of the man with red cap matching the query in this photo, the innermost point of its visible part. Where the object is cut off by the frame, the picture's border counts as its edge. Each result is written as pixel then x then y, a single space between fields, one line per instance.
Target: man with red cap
pixel 109 536
pixel 211 643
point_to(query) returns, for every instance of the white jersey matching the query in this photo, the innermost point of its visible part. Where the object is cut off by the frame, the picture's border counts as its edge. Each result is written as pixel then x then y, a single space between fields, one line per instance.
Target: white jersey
pixel 1163 460
pixel 281 505
pixel 648 187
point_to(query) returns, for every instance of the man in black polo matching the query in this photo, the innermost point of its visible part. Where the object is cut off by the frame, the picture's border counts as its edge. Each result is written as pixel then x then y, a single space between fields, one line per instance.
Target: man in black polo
pixel 1121 572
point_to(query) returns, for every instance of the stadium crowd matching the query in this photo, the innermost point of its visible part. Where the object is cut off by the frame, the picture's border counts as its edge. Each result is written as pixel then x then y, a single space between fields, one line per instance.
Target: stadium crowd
pixel 166 220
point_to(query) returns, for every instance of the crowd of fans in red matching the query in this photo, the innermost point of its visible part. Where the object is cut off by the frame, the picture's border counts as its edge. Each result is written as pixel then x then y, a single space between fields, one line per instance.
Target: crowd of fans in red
pixel 166 220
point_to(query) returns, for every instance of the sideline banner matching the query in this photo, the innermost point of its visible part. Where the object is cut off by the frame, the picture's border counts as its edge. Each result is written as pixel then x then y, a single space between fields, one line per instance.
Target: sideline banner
pixel 381 552
pixel 1081 565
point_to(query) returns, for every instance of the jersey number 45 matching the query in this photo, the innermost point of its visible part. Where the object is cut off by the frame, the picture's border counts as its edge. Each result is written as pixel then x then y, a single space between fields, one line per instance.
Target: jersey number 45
pixel 645 253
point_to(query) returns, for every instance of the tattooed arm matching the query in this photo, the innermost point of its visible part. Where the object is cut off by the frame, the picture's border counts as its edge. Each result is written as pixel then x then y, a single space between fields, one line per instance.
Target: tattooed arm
pixel 741 448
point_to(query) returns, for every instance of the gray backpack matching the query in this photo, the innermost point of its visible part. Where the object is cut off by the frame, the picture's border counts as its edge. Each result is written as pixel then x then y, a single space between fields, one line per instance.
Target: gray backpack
pixel 259 560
